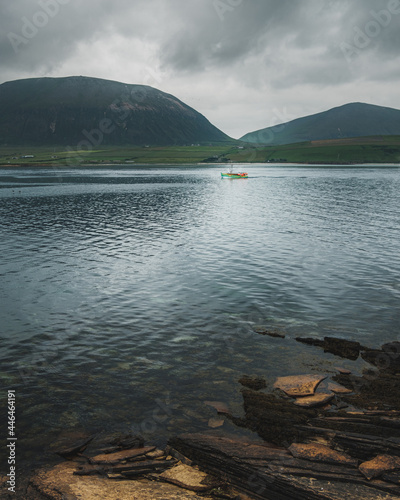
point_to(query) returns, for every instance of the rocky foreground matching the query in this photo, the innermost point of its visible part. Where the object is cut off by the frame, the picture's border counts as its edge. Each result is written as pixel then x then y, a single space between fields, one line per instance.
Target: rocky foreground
pixel 322 438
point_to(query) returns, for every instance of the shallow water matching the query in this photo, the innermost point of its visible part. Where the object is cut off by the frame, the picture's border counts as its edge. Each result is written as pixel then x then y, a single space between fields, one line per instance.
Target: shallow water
pixel 129 296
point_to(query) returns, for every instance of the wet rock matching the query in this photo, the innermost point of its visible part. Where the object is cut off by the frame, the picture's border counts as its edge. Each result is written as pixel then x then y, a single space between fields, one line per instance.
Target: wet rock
pixel 392 477
pixel 338 389
pixel 343 371
pixel 176 454
pixel 320 453
pixel 271 333
pixel 186 477
pixel 344 348
pixel 220 406
pixel 392 348
pixel 273 418
pixel 214 423
pixel 127 441
pixel 310 341
pixel 60 483
pixel 348 349
pixel 386 359
pixel 155 454
pixel 119 456
pixel 90 470
pixel 299 385
pixel 319 399
pixel 75 449
pixel 255 383
pixel 380 465
pixel 378 389
pixel 140 468
pixel 271 473
pixel 126 469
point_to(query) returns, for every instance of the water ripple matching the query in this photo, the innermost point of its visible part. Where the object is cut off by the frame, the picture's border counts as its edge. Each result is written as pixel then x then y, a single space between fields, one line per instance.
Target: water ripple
pixel 139 282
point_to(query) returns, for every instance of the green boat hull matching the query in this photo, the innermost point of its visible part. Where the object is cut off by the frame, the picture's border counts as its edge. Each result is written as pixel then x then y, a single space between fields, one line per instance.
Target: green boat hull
pixel 239 175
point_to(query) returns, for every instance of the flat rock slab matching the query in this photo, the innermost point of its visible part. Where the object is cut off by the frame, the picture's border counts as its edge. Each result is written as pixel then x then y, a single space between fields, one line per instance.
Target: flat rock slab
pixel 155 454
pixel 315 400
pixel 380 465
pixel 119 456
pixel 59 483
pixel 320 453
pixel 236 447
pixel 186 477
pixel 299 385
pixel 220 406
pixel 214 423
pixel 338 388
pixel 343 371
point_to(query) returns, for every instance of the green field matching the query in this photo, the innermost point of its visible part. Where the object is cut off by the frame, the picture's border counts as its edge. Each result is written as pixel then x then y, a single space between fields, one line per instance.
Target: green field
pixel 111 155
pixel 346 151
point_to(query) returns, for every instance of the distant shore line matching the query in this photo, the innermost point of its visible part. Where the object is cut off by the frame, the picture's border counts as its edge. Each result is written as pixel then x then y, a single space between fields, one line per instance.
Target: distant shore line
pixel 199 164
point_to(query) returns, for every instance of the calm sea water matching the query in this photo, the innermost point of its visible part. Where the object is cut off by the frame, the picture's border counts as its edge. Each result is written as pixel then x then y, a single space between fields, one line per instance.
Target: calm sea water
pixel 129 296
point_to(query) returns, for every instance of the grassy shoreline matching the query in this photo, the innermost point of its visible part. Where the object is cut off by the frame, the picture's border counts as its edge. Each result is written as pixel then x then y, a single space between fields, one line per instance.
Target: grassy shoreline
pixel 358 151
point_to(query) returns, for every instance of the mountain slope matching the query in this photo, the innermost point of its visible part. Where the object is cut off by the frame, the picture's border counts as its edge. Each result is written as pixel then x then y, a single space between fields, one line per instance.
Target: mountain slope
pixel 86 112
pixel 350 120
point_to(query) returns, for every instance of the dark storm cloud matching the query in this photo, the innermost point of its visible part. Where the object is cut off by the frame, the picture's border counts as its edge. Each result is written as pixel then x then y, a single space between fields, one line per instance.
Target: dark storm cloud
pixel 311 40
pixel 38 36
pixel 227 55
pixel 193 35
pixel 226 34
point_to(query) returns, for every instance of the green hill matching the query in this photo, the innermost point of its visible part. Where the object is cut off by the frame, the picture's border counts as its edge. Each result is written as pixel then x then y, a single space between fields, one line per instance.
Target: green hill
pixel 350 120
pixel 87 112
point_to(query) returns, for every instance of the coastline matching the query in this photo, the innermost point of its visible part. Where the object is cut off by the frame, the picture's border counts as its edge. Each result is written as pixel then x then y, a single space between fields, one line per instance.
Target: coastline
pixel 299 445
pixel 197 164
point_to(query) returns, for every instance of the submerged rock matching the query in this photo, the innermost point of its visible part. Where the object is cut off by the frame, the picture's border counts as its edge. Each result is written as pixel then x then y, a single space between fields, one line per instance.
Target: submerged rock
pixel 73 449
pixel 338 389
pixel 271 333
pixel 273 418
pixel 386 359
pixel 214 423
pixel 339 347
pixel 255 383
pixel 220 406
pixel 343 371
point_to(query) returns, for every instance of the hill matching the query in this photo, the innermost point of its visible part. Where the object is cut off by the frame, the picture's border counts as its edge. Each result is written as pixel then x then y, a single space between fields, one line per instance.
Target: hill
pixel 85 112
pixel 350 120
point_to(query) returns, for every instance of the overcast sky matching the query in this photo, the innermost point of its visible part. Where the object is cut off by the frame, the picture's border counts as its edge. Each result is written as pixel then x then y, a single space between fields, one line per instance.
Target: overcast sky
pixel 244 64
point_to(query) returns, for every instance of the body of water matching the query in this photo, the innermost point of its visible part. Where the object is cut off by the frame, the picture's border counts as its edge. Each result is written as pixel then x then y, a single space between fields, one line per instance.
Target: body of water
pixel 129 296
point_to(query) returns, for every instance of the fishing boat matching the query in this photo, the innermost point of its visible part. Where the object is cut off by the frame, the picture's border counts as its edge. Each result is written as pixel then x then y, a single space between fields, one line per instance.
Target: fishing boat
pixel 235 175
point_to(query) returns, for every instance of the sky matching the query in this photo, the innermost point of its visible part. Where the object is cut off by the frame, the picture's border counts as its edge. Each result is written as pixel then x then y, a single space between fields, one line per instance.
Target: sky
pixel 244 64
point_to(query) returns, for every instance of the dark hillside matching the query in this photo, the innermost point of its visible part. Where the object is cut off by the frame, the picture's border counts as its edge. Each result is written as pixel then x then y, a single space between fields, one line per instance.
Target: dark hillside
pixel 350 120
pixel 67 111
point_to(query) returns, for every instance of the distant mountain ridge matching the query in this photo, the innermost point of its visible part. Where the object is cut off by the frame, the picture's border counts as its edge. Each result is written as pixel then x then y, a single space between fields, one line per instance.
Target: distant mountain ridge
pixel 81 111
pixel 350 120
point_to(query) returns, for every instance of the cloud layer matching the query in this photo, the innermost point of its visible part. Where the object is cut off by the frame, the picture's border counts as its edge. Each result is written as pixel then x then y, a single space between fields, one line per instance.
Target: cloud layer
pixel 245 64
